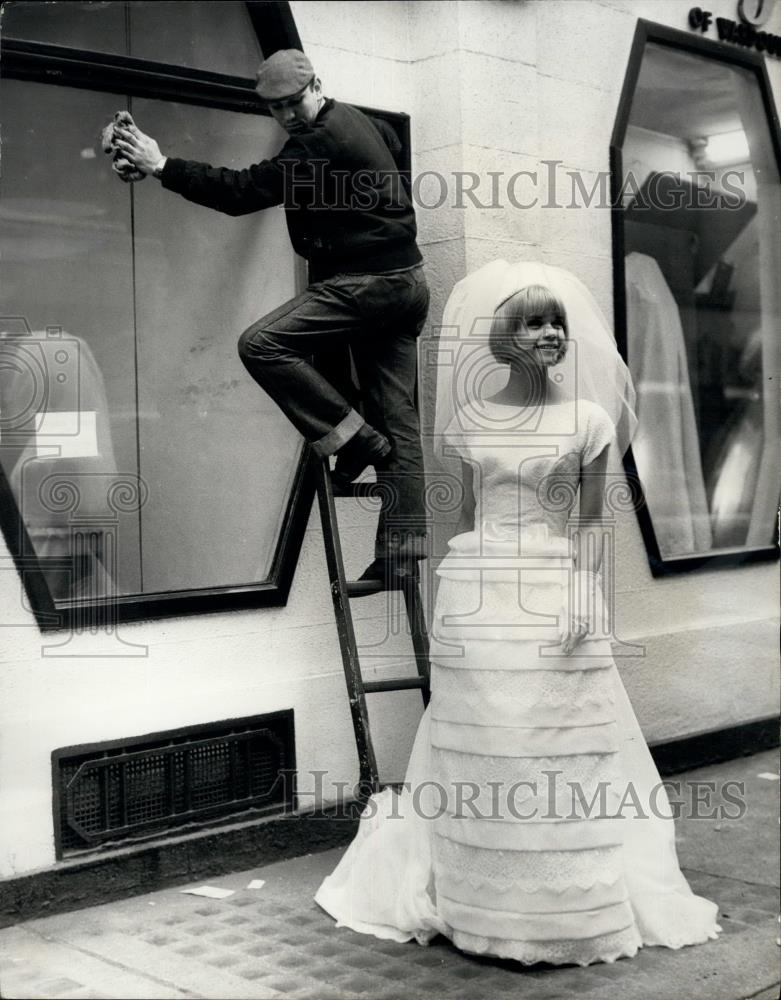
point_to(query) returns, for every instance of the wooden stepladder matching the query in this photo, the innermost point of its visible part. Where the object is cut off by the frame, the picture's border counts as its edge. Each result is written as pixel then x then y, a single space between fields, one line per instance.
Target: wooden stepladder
pixel 342 591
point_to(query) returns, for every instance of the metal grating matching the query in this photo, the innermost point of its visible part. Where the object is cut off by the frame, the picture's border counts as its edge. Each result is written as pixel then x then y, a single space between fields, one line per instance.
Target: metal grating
pixel 108 793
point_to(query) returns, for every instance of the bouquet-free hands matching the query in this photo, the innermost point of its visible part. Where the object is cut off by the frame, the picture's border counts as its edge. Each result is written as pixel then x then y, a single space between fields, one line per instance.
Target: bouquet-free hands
pixel 577 616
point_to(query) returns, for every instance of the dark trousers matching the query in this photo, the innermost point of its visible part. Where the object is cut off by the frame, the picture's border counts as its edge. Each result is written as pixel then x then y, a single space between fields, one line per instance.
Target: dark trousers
pixel 380 317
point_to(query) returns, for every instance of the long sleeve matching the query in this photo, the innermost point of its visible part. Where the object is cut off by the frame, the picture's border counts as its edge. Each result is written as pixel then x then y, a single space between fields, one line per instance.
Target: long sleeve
pixel 332 222
pixel 234 192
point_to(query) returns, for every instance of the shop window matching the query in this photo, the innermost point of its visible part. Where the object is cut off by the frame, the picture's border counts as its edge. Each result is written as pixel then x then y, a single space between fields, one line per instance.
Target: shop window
pixel 697 206
pixel 143 471
pixel 135 299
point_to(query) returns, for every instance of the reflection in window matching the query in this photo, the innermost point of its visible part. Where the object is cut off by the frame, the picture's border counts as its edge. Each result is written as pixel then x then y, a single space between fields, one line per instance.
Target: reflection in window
pixel 701 202
pixel 142 457
pixel 214 35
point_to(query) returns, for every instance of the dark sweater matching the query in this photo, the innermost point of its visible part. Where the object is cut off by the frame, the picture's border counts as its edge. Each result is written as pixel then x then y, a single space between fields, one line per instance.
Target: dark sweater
pixel 346 207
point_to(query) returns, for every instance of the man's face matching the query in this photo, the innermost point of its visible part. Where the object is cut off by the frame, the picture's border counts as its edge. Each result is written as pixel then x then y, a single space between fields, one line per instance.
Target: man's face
pixel 297 112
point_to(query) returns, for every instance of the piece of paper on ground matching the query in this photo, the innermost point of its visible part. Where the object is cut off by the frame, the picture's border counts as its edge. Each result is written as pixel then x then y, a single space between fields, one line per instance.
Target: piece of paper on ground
pixel 209 890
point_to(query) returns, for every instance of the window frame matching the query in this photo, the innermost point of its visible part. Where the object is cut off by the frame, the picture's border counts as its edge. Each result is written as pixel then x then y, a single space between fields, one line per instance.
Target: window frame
pixel 645 32
pixel 132 77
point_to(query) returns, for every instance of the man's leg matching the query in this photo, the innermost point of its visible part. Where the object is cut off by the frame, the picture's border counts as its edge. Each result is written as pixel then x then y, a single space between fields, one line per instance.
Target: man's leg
pixel 277 350
pixel 386 360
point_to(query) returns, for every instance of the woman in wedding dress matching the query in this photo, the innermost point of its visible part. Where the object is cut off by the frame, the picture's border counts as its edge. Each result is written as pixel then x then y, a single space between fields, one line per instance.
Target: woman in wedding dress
pixel 532 824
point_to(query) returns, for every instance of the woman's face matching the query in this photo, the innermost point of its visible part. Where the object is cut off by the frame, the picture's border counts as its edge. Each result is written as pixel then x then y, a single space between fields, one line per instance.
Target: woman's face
pixel 543 339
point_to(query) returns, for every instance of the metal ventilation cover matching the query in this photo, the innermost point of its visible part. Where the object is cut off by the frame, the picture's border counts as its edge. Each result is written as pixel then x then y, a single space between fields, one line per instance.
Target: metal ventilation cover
pixel 112 792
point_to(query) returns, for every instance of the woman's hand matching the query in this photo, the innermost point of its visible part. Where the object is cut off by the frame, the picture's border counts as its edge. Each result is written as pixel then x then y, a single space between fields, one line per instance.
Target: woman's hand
pixel 142 150
pixel 574 632
pixel 584 599
pixel 580 610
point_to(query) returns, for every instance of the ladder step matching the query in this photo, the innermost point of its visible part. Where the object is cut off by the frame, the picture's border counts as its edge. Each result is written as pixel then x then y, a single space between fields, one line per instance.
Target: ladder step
pixel 395 684
pixel 405 580
pixel 367 489
pixel 365 588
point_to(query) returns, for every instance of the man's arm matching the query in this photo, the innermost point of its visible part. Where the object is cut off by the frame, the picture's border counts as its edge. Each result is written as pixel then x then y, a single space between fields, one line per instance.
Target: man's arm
pixel 234 192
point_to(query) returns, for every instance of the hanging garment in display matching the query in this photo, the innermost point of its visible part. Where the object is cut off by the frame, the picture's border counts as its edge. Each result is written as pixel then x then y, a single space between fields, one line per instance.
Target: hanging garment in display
pixel 666 447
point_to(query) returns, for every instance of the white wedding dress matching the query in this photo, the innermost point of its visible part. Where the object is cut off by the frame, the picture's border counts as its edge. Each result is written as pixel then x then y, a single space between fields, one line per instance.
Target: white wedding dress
pixel 532 824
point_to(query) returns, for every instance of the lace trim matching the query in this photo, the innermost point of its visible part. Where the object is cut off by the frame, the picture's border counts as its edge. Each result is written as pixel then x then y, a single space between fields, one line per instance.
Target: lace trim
pixel 530 871
pixel 585 771
pixel 605 948
pixel 527 689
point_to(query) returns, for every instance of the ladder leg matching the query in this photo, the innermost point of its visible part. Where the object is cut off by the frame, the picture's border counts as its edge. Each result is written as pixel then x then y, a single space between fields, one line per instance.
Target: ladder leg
pixel 417 624
pixel 344 624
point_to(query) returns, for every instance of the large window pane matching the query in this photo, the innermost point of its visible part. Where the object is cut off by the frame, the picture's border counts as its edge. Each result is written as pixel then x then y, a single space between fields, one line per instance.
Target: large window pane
pixel 155 463
pixel 217 453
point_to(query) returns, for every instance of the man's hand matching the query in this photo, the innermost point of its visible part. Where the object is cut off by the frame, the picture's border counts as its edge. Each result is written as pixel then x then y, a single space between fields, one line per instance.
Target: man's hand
pixel 142 150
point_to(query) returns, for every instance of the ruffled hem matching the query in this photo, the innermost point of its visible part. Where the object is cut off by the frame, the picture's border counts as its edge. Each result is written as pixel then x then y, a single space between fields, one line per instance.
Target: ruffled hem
pixel 386 883
pixel 675 919
pixel 330 902
pixel 607 948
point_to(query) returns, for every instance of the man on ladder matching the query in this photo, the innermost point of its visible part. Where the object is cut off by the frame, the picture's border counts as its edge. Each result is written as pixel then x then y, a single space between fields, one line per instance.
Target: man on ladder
pixel 351 218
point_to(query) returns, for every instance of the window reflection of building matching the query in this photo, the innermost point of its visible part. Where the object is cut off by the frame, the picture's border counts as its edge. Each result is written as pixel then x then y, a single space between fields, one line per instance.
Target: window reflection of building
pixel 56 444
pixel 702 301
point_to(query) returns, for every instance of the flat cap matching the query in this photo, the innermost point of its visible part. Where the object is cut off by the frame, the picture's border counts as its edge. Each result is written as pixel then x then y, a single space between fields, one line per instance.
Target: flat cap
pixel 283 74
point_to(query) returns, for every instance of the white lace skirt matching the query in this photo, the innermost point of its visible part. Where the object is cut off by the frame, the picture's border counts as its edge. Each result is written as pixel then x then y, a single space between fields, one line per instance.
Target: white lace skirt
pixel 532 824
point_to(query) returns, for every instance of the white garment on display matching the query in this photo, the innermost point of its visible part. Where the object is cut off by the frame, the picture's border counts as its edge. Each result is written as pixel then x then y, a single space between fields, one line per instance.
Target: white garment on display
pixel 666 447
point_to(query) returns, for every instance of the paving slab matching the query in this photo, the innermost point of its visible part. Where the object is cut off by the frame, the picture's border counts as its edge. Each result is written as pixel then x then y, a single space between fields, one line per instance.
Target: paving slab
pixel 272 942
pixel 746 847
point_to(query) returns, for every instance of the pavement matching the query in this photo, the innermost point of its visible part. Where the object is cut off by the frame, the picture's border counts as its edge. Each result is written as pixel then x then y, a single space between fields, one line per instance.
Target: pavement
pixel 274 941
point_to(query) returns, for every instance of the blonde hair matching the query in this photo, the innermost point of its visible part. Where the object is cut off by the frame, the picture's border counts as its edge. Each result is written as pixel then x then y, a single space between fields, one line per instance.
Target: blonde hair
pixel 514 312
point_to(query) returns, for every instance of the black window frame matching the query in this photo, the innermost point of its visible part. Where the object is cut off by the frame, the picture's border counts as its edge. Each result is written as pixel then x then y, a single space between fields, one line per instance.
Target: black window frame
pixel 651 32
pixel 64 66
